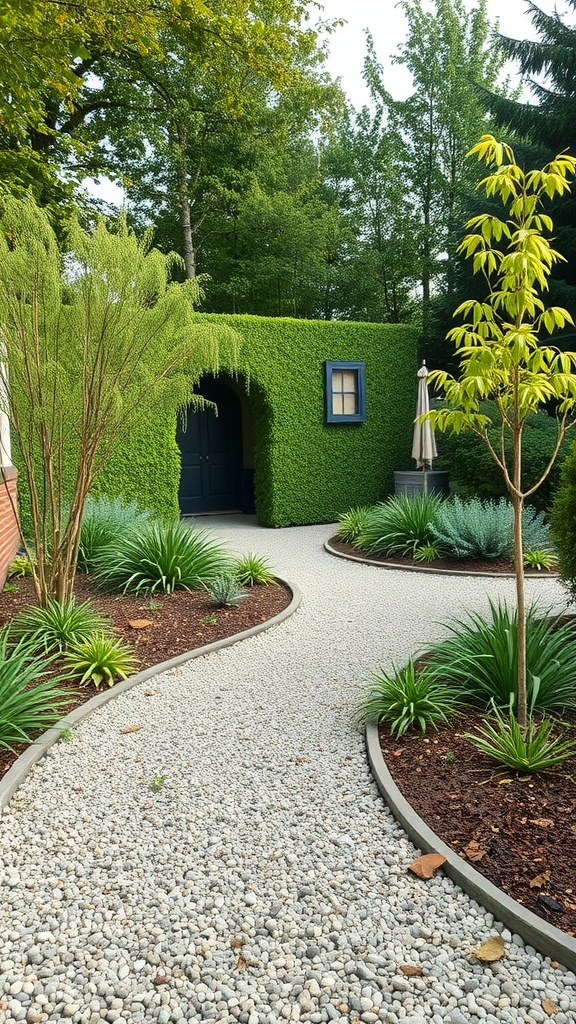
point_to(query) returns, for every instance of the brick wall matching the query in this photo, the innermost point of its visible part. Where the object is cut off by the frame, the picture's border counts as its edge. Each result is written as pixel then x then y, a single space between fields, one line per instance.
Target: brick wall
pixel 9 536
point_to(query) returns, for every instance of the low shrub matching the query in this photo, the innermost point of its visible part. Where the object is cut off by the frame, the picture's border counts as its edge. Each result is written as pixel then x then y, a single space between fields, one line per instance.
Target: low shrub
pixel 407 698
pixel 532 751
pixel 19 567
pixel 251 570
pixel 400 525
pixel 161 557
pixel 101 658
pixel 104 522
pixel 479 659
pixel 225 591
pixel 29 703
pixel 485 529
pixel 58 626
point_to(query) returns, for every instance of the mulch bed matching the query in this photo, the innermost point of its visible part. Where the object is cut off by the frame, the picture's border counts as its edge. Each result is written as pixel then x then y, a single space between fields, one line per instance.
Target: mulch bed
pixel 178 622
pixel 460 565
pixel 517 830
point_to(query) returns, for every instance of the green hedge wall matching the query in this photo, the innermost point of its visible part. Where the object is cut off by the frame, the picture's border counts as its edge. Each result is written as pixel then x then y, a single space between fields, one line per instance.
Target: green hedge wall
pixel 307 471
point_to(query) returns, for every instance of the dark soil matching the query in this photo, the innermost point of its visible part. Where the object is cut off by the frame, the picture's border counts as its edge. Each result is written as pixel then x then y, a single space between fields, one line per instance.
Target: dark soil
pixel 517 830
pixel 173 624
pixel 460 565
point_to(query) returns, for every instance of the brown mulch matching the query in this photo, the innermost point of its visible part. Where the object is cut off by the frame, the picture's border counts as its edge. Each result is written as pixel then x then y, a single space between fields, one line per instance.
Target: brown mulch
pixel 178 622
pixel 517 830
pixel 460 565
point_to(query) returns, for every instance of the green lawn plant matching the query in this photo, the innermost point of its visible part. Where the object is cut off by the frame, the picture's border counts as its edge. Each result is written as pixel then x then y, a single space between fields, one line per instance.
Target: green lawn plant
pixel 29 703
pixel 250 570
pixel 398 526
pixel 100 658
pixel 408 698
pixel 59 625
pixel 161 557
pixel 498 345
pixel 533 749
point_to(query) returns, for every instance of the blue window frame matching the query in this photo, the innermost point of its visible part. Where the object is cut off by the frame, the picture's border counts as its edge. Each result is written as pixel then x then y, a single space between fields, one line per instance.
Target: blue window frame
pixel 345 392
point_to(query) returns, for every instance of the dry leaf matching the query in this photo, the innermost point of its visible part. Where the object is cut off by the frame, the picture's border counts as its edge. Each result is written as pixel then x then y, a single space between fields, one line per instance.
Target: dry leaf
pixel 241 962
pixel 542 822
pixel 131 728
pixel 549 1007
pixel 140 623
pixel 147 803
pixel 505 782
pixel 161 979
pixel 474 851
pixel 150 693
pixel 236 943
pixel 490 951
pixel 411 970
pixel 540 880
pixel 425 867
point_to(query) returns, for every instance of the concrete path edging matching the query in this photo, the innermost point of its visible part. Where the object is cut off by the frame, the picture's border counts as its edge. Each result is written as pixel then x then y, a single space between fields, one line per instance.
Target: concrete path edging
pixel 431 570
pixel 544 937
pixel 16 775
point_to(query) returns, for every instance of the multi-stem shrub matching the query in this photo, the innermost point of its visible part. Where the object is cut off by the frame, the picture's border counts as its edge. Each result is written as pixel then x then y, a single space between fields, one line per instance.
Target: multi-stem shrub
pixel 485 529
pixel 100 659
pixel 104 522
pixel 407 698
pixel 161 557
pixel 29 703
pixel 400 525
pixel 59 625
pixel 479 658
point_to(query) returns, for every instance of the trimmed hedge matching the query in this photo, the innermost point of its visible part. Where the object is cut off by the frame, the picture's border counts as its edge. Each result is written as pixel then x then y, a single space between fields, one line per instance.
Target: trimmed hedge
pixel 307 471
pixel 563 521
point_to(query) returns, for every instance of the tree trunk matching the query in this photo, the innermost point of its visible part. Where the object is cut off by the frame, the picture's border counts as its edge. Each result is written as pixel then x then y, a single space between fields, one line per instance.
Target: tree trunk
pixel 522 712
pixel 186 225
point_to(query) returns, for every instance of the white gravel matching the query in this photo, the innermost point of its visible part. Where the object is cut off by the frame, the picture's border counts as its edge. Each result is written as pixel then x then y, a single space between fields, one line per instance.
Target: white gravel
pixel 264 880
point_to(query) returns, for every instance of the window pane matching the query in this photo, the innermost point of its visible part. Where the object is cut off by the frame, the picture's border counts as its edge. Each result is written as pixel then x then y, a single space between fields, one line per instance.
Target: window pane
pixel 350 381
pixel 350 404
pixel 337 405
pixel 337 376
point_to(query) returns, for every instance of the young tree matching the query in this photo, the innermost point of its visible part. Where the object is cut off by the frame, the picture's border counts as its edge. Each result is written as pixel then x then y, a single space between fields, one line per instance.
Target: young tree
pixel 90 344
pixel 498 345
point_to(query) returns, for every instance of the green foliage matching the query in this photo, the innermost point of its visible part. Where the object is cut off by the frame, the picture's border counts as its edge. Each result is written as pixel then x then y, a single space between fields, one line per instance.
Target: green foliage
pixel 104 522
pixel 350 523
pixel 479 657
pixel 20 566
pixel 408 698
pixel 59 625
pixel 428 553
pixel 250 570
pixel 400 525
pixel 226 591
pixel 474 473
pixel 563 523
pixel 158 783
pixel 161 557
pixel 485 529
pixel 540 558
pixel 28 702
pixel 532 750
pixel 99 659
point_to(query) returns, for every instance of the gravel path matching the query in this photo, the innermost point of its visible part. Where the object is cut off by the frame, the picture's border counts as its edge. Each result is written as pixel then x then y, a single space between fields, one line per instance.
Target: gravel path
pixel 231 860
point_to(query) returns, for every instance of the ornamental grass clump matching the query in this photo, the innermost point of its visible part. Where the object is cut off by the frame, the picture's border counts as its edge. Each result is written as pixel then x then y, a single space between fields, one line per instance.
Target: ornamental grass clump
pixel 350 523
pixel 29 703
pixel 399 526
pixel 408 698
pixel 250 571
pixel 531 750
pixel 59 625
pixel 106 521
pixel 161 557
pixel 479 659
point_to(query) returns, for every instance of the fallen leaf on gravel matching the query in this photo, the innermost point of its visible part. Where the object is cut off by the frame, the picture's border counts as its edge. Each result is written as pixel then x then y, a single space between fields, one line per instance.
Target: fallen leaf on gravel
pixel 236 943
pixel 540 880
pixel 425 867
pixel 150 693
pixel 77 789
pixel 549 1007
pixel 474 851
pixel 161 979
pixel 542 822
pixel 241 962
pixel 140 623
pixel 147 803
pixel 131 728
pixel 490 951
pixel 411 970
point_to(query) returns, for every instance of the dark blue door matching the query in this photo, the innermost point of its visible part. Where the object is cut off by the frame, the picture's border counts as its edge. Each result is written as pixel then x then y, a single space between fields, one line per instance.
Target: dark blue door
pixel 211 448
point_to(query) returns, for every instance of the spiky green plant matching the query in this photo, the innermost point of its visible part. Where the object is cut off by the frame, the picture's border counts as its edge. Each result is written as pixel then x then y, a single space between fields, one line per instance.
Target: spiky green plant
pixel 29 703
pixel 407 698
pixel 225 591
pixel 161 557
pixel 530 750
pixel 400 525
pixel 104 522
pixel 251 570
pixel 19 567
pixel 428 553
pixel 57 626
pixel 350 523
pixel 540 558
pixel 101 658
pixel 479 658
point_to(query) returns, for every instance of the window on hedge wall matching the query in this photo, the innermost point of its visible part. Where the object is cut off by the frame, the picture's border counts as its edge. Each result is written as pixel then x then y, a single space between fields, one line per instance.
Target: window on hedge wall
pixel 345 392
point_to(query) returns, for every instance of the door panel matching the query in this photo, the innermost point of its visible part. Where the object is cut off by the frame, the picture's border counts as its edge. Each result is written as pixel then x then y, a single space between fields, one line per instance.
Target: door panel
pixel 211 448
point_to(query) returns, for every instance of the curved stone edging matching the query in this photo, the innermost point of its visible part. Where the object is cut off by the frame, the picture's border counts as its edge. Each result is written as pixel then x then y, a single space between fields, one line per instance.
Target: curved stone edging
pixel 536 932
pixel 15 775
pixel 436 572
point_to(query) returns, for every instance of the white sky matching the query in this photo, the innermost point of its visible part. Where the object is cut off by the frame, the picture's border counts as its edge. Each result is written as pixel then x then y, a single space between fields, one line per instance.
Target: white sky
pixel 387 25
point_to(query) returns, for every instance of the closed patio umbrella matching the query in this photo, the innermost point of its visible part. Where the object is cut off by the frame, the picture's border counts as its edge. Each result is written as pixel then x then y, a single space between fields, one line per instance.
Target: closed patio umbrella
pixel 423 444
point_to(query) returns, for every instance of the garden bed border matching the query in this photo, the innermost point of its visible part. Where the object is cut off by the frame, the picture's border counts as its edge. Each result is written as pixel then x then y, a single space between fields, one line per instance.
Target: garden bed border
pixel 536 932
pixel 17 773
pixel 429 568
